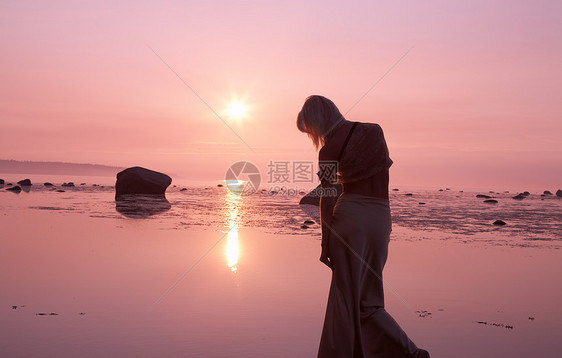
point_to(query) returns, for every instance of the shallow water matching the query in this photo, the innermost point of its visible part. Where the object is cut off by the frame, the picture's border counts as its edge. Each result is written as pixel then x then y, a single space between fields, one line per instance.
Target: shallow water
pixel 534 221
pixel 217 275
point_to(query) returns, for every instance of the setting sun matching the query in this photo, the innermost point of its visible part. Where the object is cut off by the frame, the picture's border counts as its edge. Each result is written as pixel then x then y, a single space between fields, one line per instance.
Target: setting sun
pixel 236 110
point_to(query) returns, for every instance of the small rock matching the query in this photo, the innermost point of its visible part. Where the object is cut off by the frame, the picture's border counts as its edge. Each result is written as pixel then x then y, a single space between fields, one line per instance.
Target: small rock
pixel 546 192
pixel 491 201
pixel 15 189
pixel 48 184
pixel 519 197
pixel 1 181
pixel 25 182
pixel 69 184
pixel 499 222
pixel 526 193
pixel 559 193
pixel 304 227
pixel 447 188
pixel 219 185
pixel 82 183
pixel 408 194
pixel 440 189
pixel 484 196
pixel 395 189
pixel 183 189
pixel 309 222
pixel 421 203
pixel 9 184
pixel 14 307
pixel 60 191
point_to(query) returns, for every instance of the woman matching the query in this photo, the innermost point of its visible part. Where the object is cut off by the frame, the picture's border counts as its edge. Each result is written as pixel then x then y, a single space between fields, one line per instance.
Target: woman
pixel 355 234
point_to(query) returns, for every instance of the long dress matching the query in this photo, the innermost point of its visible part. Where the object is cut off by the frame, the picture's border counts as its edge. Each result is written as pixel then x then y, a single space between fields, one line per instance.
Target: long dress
pixel 356 324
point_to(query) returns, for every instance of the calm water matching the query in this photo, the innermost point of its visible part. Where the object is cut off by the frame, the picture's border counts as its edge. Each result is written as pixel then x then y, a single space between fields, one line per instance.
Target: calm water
pixel 453 215
pixel 210 274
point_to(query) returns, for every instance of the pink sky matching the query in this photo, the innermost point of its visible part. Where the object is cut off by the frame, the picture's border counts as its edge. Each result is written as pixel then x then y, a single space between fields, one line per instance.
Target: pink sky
pixel 476 103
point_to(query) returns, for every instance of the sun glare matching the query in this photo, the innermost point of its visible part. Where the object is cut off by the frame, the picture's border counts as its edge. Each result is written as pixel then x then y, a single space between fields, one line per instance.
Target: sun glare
pixel 236 110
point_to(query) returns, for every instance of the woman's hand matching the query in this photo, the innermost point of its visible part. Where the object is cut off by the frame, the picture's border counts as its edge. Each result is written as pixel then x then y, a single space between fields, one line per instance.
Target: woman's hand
pixel 325 256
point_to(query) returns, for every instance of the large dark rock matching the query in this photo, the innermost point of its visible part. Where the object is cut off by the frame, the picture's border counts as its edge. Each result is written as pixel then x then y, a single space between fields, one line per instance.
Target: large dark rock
pixel 15 189
pixel 519 196
pixel 25 182
pixel 48 184
pixel 137 180
pixel 1 181
pixel 546 192
pixel 559 193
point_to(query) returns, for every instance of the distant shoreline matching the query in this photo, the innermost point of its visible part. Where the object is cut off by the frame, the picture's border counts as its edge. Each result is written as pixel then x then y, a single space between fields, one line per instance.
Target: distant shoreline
pixel 56 168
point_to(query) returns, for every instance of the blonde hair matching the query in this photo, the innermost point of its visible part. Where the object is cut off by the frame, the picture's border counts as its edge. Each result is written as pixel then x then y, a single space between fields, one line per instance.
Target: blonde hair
pixel 317 118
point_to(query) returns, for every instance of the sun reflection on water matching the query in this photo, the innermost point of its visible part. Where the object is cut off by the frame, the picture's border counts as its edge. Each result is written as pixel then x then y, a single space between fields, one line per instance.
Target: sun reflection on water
pixel 233 203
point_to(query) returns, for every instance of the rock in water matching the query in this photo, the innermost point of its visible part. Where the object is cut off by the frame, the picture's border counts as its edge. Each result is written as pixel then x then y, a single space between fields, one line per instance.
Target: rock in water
pixel 491 201
pixel 137 180
pixel 15 189
pixel 546 192
pixel 48 184
pixel 519 197
pixel 559 193
pixel 499 222
pixel 1 181
pixel 25 182
pixel 483 196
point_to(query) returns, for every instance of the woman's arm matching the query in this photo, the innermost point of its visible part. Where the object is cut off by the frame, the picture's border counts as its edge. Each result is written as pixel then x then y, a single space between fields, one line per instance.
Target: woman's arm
pixel 327 202
pixel 327 174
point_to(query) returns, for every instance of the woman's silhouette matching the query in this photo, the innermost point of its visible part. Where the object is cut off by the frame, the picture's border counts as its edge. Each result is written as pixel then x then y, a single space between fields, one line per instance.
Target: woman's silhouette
pixel 355 234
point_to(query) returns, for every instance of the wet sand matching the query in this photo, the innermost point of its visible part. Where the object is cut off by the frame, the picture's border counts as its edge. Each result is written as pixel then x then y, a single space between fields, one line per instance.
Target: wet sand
pixel 254 294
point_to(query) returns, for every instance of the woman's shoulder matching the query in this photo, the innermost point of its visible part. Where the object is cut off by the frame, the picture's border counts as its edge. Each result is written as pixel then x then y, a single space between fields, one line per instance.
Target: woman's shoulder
pixel 368 126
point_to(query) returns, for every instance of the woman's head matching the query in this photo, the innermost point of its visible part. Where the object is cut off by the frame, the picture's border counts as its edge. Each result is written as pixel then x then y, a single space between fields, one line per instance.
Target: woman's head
pixel 317 117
